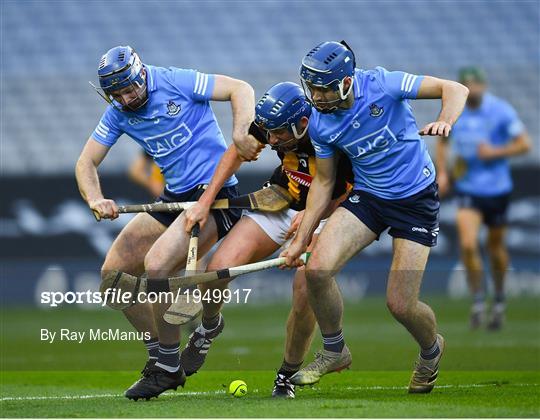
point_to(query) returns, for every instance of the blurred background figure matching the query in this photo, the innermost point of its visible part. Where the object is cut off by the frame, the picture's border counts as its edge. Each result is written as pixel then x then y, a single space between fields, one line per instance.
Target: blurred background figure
pixel 488 132
pixel 145 173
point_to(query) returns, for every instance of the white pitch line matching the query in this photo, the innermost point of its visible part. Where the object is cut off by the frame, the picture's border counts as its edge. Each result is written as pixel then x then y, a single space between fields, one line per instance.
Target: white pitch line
pixel 372 388
pixel 255 391
pixel 87 397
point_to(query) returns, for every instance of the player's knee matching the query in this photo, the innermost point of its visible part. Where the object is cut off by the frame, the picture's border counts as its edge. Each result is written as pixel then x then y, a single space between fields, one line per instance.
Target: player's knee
pixel 315 277
pixel 469 249
pixel 316 271
pixel 496 246
pixel 400 310
pixel 152 266
pixel 231 258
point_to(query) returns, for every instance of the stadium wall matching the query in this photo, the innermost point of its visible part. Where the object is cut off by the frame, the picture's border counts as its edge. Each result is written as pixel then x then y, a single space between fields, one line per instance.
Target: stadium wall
pixel 50 240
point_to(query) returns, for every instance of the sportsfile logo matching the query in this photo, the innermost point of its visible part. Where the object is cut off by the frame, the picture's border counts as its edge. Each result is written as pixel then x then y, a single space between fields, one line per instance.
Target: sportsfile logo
pixel 109 297
pixel 119 299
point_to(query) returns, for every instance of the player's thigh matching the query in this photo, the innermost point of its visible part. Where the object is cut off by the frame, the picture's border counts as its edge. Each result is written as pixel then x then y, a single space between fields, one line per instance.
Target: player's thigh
pixel 468 222
pixel 405 278
pixel 343 236
pixel 130 247
pixel 169 253
pixel 246 242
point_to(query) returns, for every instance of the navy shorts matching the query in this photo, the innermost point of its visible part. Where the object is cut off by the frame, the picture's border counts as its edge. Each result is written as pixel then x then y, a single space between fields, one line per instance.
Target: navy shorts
pixel 415 218
pixel 225 219
pixel 494 209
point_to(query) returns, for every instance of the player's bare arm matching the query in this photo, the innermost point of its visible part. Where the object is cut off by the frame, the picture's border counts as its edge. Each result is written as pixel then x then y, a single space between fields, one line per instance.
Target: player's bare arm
pixel 453 96
pixel 88 180
pixel 441 156
pixel 228 165
pixel 242 98
pixel 519 145
pixel 318 200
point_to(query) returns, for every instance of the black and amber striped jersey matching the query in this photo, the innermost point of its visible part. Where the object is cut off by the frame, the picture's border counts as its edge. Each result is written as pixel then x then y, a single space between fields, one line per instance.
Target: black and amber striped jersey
pixel 298 168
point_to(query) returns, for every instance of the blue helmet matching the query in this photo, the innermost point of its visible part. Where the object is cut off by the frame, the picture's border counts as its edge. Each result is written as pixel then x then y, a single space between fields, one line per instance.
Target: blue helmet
pixel 327 65
pixel 118 68
pixel 282 106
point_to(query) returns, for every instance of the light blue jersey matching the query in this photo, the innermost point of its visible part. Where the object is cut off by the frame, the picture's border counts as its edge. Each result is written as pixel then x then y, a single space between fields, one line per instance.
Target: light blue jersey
pixel 378 134
pixel 176 127
pixel 494 122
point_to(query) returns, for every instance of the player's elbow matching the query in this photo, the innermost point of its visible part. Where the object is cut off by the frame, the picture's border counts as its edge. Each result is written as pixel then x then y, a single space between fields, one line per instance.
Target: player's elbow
pixel 464 90
pixel 243 88
pixel 525 144
pixel 457 89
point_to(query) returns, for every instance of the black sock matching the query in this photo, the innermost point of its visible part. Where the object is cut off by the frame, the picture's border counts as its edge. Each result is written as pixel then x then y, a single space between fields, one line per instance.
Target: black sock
pixel 152 346
pixel 289 369
pixel 210 323
pixel 169 357
pixel 500 297
pixel 431 352
pixel 334 341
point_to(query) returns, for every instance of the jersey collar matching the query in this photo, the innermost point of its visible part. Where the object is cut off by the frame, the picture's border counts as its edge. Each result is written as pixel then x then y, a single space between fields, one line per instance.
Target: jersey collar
pixel 151 79
pixel 357 86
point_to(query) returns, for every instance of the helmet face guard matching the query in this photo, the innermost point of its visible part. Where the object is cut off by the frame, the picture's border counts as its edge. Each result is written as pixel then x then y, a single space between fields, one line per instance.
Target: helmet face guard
pixel 327 66
pixel 121 68
pixel 281 108
pixel 327 107
pixel 284 146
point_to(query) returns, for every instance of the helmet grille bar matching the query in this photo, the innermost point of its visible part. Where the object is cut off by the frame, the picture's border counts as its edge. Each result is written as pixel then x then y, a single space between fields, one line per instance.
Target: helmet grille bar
pixel 277 107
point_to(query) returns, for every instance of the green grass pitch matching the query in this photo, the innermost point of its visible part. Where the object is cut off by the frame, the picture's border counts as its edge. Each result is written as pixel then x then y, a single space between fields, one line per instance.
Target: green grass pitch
pixel 482 374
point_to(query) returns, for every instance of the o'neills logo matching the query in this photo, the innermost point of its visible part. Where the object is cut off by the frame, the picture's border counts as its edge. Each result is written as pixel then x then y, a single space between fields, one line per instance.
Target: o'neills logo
pixel 300 177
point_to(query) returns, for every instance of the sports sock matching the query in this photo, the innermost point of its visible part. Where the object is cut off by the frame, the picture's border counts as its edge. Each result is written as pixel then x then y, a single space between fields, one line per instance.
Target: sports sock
pixel 289 369
pixel 431 352
pixel 478 297
pixel 500 298
pixel 169 357
pixel 478 302
pixel 152 346
pixel 210 324
pixel 334 341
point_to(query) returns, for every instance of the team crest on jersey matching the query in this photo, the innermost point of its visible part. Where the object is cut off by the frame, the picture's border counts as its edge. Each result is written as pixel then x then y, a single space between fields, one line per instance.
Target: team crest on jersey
pixel 173 109
pixel 375 110
pixel 354 198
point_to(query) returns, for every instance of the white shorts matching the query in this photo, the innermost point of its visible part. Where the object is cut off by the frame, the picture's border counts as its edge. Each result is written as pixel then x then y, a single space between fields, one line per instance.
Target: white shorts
pixel 276 225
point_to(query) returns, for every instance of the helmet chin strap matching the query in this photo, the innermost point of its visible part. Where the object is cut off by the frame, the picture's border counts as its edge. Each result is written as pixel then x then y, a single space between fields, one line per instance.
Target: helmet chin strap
pixel 295 132
pixel 341 85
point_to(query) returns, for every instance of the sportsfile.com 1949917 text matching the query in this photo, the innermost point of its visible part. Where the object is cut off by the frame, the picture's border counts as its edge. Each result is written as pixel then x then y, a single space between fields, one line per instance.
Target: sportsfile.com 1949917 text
pixel 53 299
